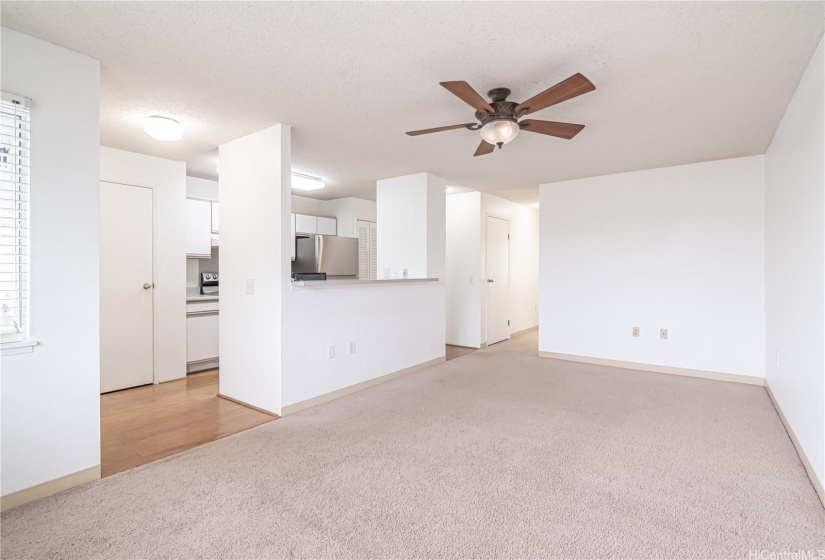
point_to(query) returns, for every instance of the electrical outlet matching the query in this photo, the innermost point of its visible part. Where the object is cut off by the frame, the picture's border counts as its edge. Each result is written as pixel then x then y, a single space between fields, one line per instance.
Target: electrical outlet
pixel 330 352
pixel 404 273
pixel 250 287
pixel 386 273
pixel 636 331
pixel 352 347
pixel 395 273
pixel 471 280
pixel 663 334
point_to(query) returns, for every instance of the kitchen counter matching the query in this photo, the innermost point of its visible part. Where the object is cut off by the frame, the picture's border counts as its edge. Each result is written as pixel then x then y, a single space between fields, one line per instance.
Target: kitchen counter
pixel 353 283
pixel 194 294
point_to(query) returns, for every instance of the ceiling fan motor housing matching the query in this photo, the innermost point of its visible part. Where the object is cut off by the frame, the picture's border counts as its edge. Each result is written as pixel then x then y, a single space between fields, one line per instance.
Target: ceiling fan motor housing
pixel 504 111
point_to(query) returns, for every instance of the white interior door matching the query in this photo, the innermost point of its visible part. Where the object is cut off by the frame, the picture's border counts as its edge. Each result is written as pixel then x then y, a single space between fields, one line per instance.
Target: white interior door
pixel 126 287
pixel 498 280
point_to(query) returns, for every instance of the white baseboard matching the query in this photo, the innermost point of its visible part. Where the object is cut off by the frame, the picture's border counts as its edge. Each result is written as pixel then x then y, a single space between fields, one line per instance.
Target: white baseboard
pixel 48 488
pixel 320 399
pixel 717 376
pixel 817 484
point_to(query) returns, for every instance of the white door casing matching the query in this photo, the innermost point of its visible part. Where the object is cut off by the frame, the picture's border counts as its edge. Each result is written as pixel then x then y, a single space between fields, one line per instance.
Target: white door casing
pixel 498 279
pixel 126 287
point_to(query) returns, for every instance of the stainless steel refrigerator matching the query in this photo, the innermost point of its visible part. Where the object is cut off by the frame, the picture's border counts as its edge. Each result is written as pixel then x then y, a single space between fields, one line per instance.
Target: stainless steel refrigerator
pixel 337 256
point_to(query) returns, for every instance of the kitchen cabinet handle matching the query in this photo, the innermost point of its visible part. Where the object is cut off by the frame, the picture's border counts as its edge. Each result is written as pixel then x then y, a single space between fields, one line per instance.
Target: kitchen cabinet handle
pixel 489 281
pixel 148 286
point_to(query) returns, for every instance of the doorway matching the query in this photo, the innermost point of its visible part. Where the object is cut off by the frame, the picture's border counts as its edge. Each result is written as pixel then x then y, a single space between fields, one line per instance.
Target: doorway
pixel 497 265
pixel 126 287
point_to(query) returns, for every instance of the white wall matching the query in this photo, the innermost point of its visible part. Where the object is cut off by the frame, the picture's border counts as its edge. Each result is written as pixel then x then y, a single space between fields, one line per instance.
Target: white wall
pixel 466 258
pixel 255 233
pixel 50 398
pixel 411 218
pixel 680 248
pixel 167 179
pixel 524 261
pixel 201 188
pixel 464 275
pixel 795 263
pixel 348 211
pixel 395 326
pixel 306 205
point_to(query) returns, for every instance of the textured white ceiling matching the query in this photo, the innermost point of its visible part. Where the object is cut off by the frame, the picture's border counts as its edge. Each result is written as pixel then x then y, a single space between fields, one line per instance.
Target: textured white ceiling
pixel 676 82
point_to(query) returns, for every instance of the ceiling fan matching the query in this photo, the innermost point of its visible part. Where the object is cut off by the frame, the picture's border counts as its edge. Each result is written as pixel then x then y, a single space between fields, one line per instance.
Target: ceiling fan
pixel 499 119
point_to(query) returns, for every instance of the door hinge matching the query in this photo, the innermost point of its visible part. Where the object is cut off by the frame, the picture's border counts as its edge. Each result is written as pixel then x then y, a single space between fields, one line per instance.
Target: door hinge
pixel 508 236
pixel 508 322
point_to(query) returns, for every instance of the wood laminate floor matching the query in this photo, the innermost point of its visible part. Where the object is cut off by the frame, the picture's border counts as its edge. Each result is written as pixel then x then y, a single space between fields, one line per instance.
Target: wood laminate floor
pixel 147 423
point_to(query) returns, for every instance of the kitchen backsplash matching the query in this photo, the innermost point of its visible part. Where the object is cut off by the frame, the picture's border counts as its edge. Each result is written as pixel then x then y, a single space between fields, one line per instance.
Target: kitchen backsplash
pixel 194 267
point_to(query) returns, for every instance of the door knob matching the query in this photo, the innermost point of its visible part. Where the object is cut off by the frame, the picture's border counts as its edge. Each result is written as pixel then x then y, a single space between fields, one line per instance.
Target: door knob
pixel 489 281
pixel 148 286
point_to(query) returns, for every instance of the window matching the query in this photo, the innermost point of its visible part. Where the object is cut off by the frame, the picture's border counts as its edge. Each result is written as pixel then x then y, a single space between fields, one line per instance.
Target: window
pixel 14 217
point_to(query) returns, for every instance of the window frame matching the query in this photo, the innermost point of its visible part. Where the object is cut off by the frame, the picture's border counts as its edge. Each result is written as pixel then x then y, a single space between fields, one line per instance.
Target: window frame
pixel 17 342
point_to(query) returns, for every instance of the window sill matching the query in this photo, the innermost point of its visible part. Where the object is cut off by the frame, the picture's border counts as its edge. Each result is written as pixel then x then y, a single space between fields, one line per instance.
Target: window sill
pixel 19 347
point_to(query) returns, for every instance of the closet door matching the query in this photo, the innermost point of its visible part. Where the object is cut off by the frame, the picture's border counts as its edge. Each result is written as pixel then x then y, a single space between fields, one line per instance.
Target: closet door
pixel 363 249
pixel 126 287
pixel 373 262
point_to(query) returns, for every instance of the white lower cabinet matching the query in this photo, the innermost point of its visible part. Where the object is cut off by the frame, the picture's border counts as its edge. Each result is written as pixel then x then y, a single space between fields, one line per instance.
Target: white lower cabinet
pixel 201 335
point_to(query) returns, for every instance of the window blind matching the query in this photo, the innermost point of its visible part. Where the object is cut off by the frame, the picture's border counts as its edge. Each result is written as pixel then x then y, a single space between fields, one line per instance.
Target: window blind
pixel 15 141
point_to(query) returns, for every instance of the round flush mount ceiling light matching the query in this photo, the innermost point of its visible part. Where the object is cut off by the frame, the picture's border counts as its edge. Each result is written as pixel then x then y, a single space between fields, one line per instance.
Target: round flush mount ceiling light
pixel 303 182
pixel 499 132
pixel 162 128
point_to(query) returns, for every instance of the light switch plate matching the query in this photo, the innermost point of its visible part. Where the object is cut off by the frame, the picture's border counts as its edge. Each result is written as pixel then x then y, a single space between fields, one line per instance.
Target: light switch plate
pixel 352 347
pixel 663 334
pixel 330 352
pixel 250 287
pixel 404 273
pixel 636 331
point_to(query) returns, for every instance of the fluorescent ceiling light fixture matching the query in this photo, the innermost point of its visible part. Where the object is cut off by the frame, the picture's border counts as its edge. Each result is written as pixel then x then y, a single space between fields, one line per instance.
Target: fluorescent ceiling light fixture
pixel 163 129
pixel 499 132
pixel 306 182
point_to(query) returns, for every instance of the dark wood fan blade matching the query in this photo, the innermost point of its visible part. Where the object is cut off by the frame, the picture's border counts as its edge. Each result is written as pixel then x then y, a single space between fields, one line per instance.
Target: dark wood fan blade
pixel 572 87
pixel 484 148
pixel 468 95
pixel 439 129
pixel 558 129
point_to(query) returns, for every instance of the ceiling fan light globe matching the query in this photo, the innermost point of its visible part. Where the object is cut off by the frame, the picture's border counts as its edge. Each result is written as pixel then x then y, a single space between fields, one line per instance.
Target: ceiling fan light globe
pixel 499 132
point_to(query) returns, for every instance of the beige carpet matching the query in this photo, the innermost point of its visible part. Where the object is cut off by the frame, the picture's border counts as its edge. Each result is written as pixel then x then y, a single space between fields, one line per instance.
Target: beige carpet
pixel 496 454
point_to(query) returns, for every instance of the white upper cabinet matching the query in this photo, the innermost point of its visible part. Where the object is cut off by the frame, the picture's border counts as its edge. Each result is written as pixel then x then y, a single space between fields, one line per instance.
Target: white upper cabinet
pixel 327 226
pixel 198 228
pixel 306 224
pixel 215 217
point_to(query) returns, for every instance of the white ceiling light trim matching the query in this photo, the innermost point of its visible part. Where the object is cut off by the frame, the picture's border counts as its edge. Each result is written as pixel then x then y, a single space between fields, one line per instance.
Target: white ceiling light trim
pixel 303 182
pixel 162 128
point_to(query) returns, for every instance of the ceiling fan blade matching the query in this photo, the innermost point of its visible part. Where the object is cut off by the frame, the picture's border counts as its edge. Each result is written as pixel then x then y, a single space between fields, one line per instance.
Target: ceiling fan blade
pixel 572 87
pixel 439 129
pixel 468 95
pixel 558 129
pixel 484 148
